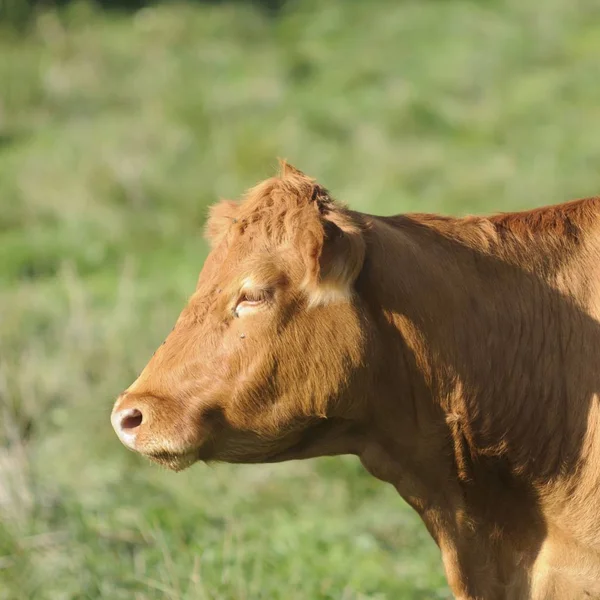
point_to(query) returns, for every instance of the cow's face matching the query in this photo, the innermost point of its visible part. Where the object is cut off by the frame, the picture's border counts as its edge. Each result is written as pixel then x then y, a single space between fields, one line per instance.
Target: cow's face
pixel 264 362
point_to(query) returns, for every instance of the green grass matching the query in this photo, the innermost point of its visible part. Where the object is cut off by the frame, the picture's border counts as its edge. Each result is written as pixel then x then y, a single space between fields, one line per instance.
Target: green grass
pixel 116 132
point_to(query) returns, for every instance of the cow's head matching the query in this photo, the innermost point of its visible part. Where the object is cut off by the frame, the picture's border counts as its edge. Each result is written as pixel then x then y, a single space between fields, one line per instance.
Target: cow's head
pixel 266 362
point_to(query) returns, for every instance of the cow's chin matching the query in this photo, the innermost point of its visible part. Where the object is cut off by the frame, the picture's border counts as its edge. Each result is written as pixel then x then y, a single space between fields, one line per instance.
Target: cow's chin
pixel 172 461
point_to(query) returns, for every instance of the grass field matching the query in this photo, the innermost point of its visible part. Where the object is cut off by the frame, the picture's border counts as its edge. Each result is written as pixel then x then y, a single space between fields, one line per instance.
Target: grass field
pixel 116 132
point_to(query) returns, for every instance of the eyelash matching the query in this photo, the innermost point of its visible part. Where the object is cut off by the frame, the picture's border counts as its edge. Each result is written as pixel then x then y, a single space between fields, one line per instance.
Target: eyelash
pixel 253 297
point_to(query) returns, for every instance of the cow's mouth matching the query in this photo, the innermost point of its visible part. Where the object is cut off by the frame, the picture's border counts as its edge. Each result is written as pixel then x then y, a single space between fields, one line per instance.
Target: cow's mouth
pixel 172 460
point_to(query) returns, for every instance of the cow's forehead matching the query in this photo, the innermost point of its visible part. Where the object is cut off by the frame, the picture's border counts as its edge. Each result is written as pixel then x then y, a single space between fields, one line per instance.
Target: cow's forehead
pixel 242 260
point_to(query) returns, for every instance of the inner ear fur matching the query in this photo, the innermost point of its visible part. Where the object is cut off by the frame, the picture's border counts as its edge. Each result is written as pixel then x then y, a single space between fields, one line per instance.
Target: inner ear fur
pixel 335 256
pixel 220 218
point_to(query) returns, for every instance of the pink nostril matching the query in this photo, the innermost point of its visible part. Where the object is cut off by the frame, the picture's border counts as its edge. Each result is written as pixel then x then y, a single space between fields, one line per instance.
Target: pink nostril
pixel 131 419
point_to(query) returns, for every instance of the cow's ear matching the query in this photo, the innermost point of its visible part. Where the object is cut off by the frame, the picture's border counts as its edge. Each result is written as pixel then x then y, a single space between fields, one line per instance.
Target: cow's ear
pixel 220 218
pixel 335 255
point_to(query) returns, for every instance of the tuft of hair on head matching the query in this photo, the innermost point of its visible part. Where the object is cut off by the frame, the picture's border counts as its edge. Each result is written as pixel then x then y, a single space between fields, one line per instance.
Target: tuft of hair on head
pixel 288 170
pixel 220 217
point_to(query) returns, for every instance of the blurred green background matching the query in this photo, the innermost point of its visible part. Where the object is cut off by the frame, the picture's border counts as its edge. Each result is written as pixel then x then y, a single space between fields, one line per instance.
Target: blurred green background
pixel 119 125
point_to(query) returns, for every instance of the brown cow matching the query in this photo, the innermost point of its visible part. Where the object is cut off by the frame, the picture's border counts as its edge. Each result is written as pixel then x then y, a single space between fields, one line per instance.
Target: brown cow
pixel 459 359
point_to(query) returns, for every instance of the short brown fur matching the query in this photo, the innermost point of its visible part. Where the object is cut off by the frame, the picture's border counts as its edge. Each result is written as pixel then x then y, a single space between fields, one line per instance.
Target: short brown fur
pixel 457 358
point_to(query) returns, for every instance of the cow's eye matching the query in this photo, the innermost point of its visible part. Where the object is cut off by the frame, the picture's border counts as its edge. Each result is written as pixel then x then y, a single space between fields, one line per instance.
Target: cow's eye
pixel 250 299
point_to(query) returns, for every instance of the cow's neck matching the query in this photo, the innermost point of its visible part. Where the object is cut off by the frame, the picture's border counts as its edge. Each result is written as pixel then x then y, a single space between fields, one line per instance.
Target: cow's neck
pixel 429 436
pixel 485 556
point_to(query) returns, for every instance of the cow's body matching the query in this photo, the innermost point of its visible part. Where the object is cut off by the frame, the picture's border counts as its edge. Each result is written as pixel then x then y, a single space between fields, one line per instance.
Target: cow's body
pixel 458 358
pixel 495 333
